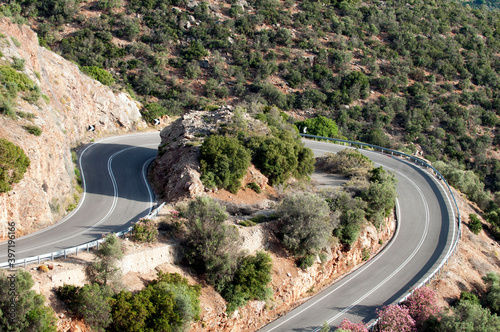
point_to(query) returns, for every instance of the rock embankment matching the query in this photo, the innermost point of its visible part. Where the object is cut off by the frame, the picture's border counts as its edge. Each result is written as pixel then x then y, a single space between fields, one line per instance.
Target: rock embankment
pixel 176 170
pixel 72 102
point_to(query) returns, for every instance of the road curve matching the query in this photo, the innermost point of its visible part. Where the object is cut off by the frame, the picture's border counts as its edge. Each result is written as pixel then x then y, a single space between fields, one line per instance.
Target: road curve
pixel 424 235
pixel 116 194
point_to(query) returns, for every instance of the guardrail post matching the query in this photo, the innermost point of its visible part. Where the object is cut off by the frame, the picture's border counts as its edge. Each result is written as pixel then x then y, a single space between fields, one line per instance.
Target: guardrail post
pixel 52 256
pixel 25 263
pixel 38 259
pixel 87 247
pixel 76 251
pixel 64 253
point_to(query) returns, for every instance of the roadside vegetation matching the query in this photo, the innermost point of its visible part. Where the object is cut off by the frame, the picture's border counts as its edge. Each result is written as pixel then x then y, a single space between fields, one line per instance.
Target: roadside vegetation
pixel 13 164
pixel 421 313
pixel 279 155
pixel 421 76
pixel 21 308
pixel 169 303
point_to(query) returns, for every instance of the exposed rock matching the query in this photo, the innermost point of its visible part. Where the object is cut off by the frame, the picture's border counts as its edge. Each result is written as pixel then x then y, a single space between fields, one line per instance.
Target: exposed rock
pixel 75 102
pixel 291 285
pixel 176 173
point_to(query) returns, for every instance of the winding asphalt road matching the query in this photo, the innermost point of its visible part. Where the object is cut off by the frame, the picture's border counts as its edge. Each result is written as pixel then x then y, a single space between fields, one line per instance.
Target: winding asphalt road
pixel 424 235
pixel 117 194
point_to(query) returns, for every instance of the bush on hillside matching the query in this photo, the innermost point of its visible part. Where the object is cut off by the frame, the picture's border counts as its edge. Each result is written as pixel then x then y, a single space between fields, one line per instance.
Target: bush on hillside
pixel 30 313
pixel 469 316
pixel 347 162
pixel 319 126
pixel 211 247
pixel 223 162
pixel 306 225
pixel 99 74
pixel 167 304
pixel 153 111
pixel 250 281
pixel 13 164
pixel 475 224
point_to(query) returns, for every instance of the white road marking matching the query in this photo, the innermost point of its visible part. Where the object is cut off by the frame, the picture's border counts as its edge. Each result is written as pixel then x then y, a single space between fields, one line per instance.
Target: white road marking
pixel 364 267
pixel 115 196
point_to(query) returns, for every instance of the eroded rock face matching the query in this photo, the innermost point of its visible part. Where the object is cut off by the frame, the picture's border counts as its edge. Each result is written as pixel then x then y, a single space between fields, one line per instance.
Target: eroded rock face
pixel 74 102
pixel 176 174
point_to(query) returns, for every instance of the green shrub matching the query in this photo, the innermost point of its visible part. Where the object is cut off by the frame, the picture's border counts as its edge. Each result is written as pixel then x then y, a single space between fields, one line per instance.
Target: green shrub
pixel 30 312
pixel 306 225
pixel 469 316
pixel 153 111
pixel 306 261
pixel 492 298
pixel 211 247
pixel 145 231
pixel 91 302
pixel 250 281
pixel 9 74
pixel 381 194
pixel 224 162
pixel 264 218
pixel 33 130
pixel 467 296
pixel 13 164
pixel 475 224
pixel 320 126
pixel 18 63
pixel 466 181
pixel 347 162
pixel 167 304
pixel 247 223
pixel 255 187
pixel 99 74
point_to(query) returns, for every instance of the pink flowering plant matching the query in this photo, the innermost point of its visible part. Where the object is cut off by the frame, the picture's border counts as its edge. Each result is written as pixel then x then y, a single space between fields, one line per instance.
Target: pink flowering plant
pixel 347 325
pixel 145 231
pixel 422 305
pixel 395 318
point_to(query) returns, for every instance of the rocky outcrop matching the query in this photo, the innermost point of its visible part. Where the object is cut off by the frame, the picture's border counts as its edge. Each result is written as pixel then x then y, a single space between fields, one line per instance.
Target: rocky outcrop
pixel 176 170
pixel 72 102
pixel 291 285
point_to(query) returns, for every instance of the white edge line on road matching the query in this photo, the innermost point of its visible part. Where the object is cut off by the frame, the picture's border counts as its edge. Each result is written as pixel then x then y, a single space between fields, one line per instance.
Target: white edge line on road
pixel 145 179
pixel 427 221
pixel 82 199
pixel 364 267
pixel 115 194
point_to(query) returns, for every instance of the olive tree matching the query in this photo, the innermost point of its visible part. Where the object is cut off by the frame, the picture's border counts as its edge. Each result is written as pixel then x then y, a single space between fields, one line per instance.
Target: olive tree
pixel 306 225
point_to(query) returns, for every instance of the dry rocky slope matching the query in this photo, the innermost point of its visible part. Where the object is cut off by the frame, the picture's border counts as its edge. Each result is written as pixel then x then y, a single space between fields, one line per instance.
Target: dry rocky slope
pixel 176 172
pixel 74 102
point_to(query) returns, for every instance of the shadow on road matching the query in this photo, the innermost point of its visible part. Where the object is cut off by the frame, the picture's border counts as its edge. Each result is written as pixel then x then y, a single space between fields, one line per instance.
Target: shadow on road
pixel 127 165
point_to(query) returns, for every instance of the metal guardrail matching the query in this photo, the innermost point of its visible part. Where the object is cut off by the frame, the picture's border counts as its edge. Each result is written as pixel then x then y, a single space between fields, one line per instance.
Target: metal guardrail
pixel 418 161
pixel 74 250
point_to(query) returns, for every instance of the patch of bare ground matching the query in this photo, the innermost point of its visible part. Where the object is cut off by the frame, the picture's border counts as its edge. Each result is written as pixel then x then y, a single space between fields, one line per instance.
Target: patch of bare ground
pixel 475 257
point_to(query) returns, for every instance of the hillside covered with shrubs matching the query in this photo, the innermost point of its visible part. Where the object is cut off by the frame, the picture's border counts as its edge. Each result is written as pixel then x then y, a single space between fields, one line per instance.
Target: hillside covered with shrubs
pixel 415 76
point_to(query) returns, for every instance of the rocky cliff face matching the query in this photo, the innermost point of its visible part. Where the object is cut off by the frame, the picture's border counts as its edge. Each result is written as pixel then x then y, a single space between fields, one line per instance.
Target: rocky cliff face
pixel 74 102
pixel 176 171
